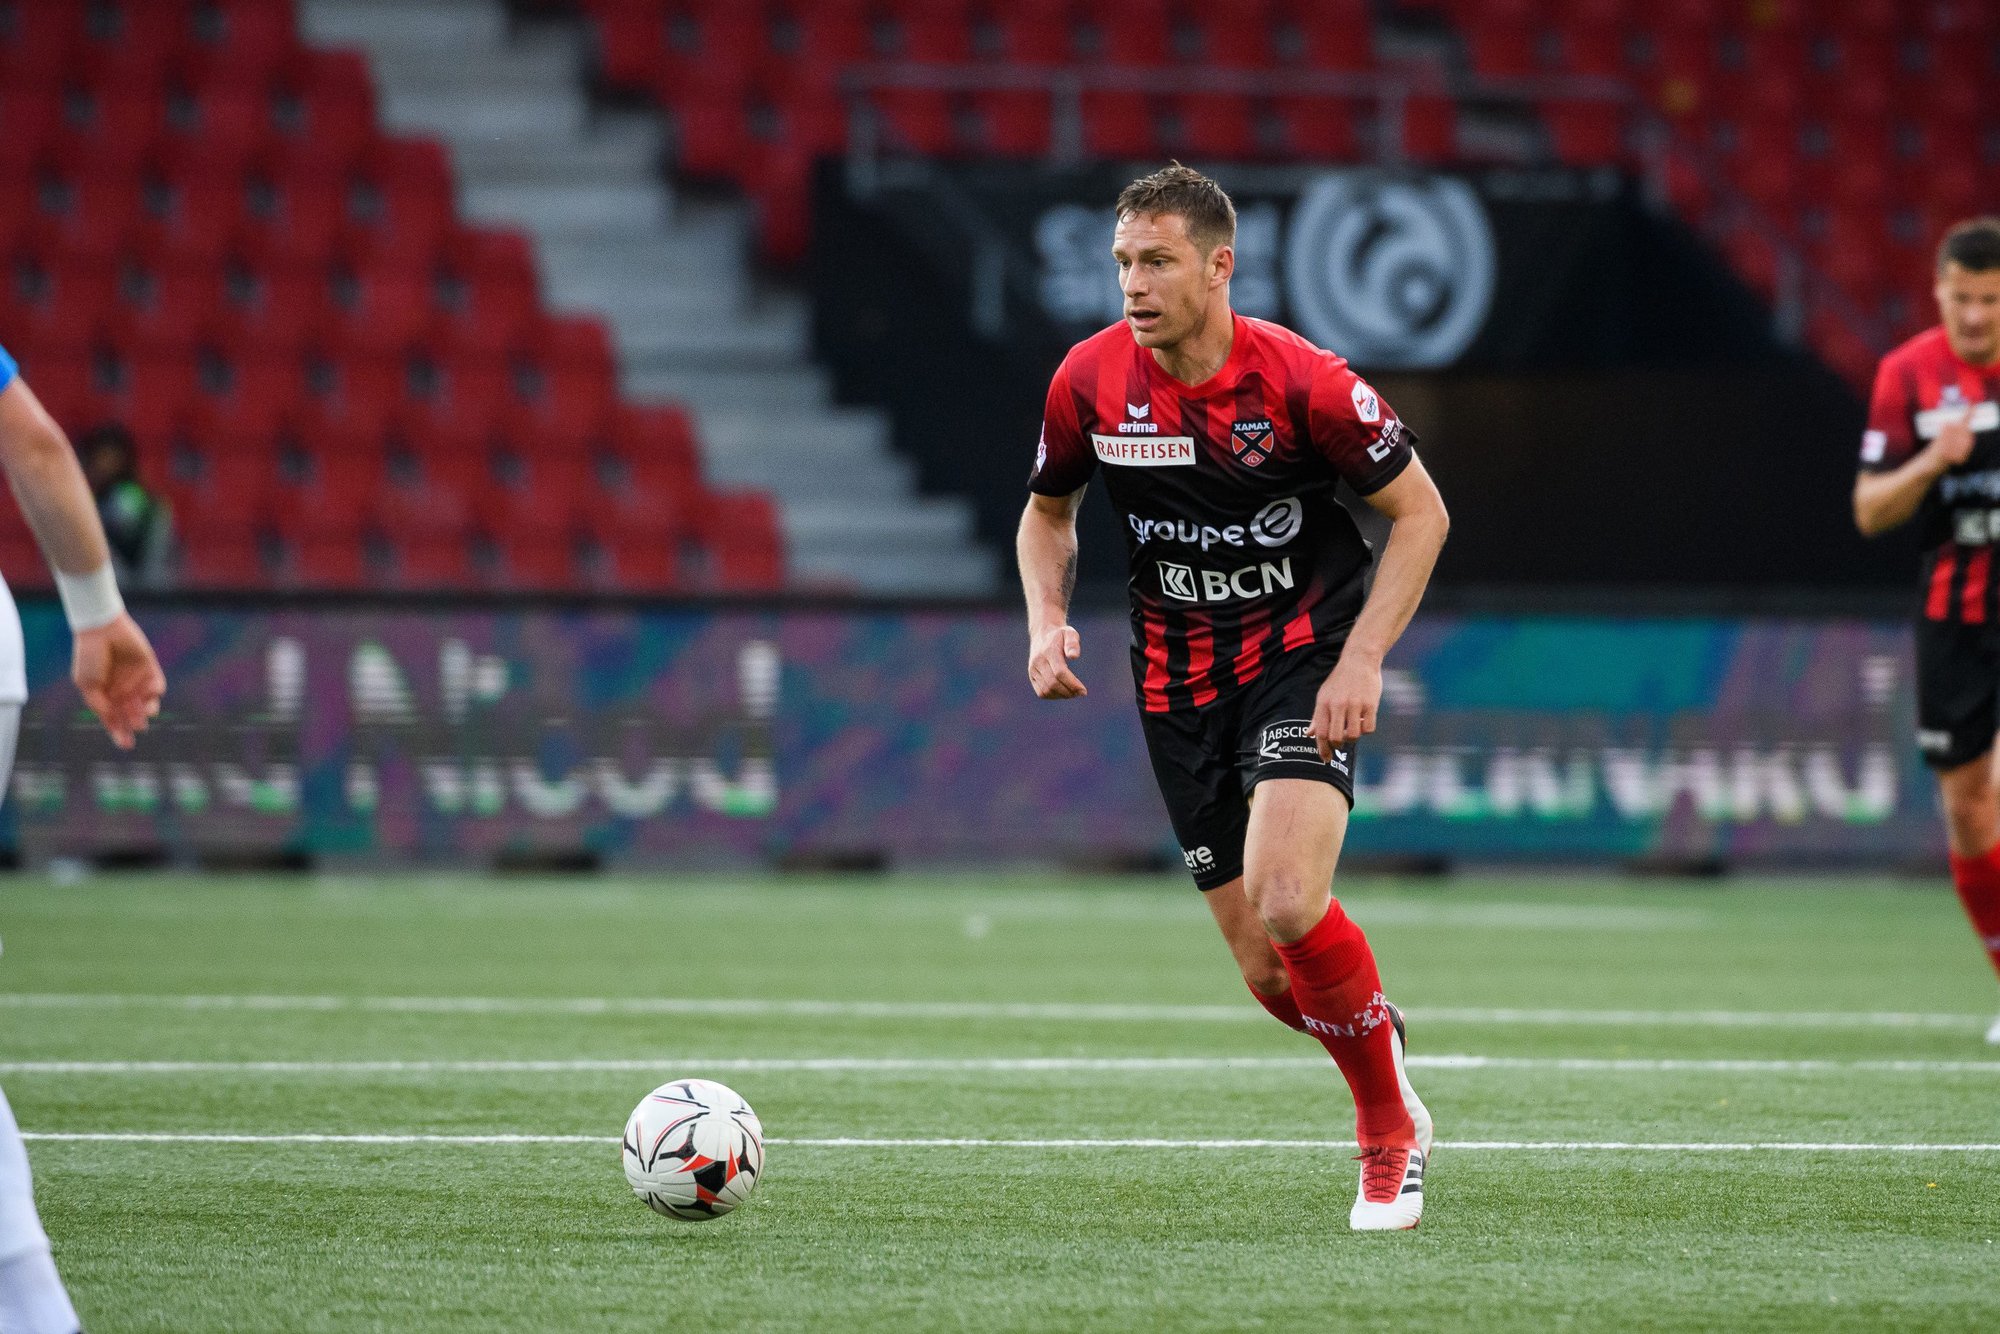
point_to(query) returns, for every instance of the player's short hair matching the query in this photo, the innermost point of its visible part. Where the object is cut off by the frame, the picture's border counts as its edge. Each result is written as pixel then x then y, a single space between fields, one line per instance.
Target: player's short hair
pixel 1973 245
pixel 1200 202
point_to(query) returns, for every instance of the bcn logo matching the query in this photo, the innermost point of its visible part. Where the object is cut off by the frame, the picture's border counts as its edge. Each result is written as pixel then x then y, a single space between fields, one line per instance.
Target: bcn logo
pixel 1187 584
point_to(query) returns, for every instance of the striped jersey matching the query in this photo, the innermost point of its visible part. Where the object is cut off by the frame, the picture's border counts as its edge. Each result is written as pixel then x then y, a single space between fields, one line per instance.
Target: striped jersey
pixel 1239 550
pixel 1919 387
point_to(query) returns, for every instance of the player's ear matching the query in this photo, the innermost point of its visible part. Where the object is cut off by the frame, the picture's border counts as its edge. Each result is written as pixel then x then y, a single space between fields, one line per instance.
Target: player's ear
pixel 1221 264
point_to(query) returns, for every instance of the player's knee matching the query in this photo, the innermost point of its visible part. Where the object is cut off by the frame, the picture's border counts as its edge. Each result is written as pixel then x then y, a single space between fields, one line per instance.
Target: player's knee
pixel 1284 902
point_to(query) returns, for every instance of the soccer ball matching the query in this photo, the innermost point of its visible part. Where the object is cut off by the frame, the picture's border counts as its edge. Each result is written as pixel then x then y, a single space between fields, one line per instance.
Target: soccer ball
pixel 693 1149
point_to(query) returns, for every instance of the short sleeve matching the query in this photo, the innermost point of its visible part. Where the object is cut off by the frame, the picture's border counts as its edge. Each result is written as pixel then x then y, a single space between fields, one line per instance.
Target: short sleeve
pixel 1356 431
pixel 1064 460
pixel 1888 441
pixel 8 370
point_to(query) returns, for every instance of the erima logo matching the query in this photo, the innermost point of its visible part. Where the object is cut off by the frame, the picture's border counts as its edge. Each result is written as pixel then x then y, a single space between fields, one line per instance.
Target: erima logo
pixel 1187 584
pixel 1140 427
pixel 1198 859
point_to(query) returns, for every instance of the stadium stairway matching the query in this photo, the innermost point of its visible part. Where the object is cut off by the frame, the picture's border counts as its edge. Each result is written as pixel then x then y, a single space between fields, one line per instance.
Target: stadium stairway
pixel 672 280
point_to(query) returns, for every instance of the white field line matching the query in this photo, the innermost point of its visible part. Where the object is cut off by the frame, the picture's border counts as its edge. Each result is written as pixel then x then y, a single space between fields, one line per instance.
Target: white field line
pixel 1332 1145
pixel 990 1010
pixel 976 1065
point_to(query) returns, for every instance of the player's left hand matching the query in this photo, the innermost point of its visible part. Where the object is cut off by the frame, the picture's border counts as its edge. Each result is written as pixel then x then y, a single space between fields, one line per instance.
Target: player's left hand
pixel 1347 703
pixel 119 677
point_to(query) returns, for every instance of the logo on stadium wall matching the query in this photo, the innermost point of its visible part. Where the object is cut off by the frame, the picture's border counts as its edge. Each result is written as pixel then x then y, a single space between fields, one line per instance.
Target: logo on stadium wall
pixel 1251 441
pixel 1390 272
pixel 1278 522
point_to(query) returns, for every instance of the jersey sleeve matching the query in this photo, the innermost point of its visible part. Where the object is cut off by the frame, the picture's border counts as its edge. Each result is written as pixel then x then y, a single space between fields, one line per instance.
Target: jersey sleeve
pixel 1889 440
pixel 8 370
pixel 1356 431
pixel 1064 460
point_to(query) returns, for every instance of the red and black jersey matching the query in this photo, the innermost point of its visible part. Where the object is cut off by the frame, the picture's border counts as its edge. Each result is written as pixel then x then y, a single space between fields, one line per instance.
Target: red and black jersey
pixel 1239 550
pixel 1920 387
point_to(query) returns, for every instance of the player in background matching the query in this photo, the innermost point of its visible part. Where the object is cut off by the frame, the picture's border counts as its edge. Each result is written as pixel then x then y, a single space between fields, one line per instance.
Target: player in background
pixel 1932 453
pixel 1222 439
pixel 120 679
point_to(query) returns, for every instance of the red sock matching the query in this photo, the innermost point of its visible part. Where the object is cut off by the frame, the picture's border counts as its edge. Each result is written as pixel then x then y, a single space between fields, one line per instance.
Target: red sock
pixel 1978 882
pixel 1339 995
pixel 1282 1007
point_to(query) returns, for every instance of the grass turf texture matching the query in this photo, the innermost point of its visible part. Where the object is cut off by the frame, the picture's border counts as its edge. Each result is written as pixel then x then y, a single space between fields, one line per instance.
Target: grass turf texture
pixel 193 1236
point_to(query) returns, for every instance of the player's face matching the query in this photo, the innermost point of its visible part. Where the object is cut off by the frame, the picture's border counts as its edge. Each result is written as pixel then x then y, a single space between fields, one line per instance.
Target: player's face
pixel 1167 281
pixel 1969 306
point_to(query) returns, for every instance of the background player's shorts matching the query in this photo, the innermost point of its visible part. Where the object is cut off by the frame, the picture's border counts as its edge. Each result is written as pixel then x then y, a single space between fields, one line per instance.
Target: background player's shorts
pixel 1207 760
pixel 1958 691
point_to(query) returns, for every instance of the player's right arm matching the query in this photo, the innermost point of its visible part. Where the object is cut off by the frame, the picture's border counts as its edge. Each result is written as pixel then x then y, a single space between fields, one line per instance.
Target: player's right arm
pixel 1046 551
pixel 1895 475
pixel 113 664
pixel 1045 546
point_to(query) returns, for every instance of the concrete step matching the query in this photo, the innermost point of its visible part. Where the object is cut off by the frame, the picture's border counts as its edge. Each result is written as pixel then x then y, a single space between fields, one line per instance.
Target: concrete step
pixel 536 66
pixel 764 337
pixel 519 160
pixel 848 481
pixel 935 523
pixel 443 27
pixel 746 433
pixel 805 389
pixel 965 572
pixel 485 115
pixel 627 210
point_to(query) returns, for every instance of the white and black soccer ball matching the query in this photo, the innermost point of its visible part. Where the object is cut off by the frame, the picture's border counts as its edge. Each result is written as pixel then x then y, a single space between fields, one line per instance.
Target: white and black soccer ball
pixel 693 1149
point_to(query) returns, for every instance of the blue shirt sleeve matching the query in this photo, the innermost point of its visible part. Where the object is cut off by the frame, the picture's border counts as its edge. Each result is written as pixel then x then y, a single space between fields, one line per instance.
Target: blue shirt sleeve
pixel 8 370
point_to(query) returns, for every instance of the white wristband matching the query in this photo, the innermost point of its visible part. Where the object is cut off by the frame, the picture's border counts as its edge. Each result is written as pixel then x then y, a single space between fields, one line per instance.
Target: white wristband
pixel 91 601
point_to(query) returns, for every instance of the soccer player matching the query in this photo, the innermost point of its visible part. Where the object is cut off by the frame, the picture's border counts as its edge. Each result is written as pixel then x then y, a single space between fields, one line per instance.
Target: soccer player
pixel 1259 665
pixel 120 679
pixel 1932 453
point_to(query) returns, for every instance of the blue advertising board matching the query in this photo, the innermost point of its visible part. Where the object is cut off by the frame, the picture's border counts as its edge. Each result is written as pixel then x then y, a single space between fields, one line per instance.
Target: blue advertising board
pixel 725 737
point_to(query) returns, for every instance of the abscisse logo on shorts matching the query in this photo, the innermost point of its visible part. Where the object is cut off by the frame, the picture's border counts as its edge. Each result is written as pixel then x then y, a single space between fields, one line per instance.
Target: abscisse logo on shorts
pixel 1292 739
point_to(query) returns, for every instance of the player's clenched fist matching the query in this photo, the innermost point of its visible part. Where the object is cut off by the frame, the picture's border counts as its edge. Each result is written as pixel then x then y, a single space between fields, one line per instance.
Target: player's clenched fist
pixel 1048 663
pixel 1954 442
pixel 1345 708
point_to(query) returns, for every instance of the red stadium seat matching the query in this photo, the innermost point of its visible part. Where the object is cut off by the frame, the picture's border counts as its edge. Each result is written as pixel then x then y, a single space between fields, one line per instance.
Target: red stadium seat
pixel 1318 129
pixel 468 396
pixel 193 221
pixel 381 310
pixel 1013 122
pixel 211 559
pixel 170 309
pixel 64 308
pixel 739 531
pixel 538 566
pixel 87 217
pixel 400 206
pixel 643 561
pixel 1586 133
pixel 1118 125
pixel 220 130
pixel 328 560
pixel 1209 125
pixel 440 562
pixel 253 397
pixel 299 220
pixel 917 120
pixel 277 311
pixel 325 105
pixel 243 40
pixel 361 393
pixel 30 117
pixel 36 40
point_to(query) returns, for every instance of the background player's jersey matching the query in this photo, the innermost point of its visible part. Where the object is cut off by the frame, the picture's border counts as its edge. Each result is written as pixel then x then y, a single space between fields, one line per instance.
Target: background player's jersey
pixel 1238 549
pixel 1920 387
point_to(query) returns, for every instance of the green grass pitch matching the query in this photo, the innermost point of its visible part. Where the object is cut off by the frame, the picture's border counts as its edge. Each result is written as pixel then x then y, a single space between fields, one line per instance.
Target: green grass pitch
pixel 1550 1022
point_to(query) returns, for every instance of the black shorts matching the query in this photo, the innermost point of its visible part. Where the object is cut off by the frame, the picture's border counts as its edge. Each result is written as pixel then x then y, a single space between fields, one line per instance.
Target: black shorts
pixel 1207 760
pixel 1958 687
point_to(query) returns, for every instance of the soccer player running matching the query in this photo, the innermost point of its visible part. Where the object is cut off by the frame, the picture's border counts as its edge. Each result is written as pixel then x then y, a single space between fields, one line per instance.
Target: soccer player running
pixel 1932 452
pixel 120 679
pixel 1259 665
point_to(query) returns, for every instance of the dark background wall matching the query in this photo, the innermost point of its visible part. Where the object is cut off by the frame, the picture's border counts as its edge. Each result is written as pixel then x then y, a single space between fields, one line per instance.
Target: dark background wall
pixel 1627 419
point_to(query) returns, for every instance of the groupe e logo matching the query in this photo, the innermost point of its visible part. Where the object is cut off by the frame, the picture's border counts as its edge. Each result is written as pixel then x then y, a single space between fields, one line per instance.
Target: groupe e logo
pixel 1278 522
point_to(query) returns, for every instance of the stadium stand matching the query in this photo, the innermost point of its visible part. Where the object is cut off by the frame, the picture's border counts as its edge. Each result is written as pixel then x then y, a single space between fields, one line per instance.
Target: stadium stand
pixel 206 234
pixel 1843 136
